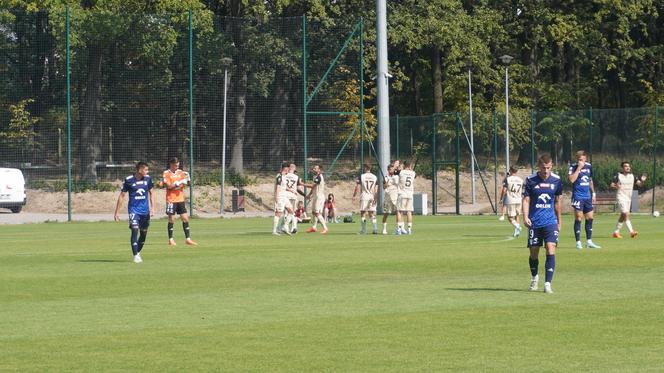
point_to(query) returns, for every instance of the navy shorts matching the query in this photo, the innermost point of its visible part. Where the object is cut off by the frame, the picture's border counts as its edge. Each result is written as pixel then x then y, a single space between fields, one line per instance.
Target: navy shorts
pixel 173 208
pixel 585 205
pixel 139 221
pixel 538 236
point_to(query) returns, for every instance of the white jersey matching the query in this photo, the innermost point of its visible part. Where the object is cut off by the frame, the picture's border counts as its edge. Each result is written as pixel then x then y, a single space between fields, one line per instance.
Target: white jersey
pixel 368 183
pixel 407 183
pixel 392 184
pixel 514 185
pixel 280 182
pixel 319 184
pixel 625 186
pixel 292 180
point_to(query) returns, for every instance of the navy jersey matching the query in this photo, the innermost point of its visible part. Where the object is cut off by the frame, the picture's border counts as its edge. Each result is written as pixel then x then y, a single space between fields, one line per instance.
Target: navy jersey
pixel 581 187
pixel 138 194
pixel 542 195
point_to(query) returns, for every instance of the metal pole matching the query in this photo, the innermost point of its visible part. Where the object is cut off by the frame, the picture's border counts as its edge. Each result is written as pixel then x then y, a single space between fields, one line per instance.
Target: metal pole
pixel 382 82
pixel 590 125
pixel 533 121
pixel 191 116
pixel 458 161
pixel 434 167
pixel 305 101
pixel 507 121
pixel 472 139
pixel 495 161
pixel 223 146
pixel 397 135
pixel 68 73
pixel 654 158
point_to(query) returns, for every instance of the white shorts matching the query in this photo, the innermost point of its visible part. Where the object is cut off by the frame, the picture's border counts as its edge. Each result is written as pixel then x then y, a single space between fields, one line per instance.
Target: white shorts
pixel 367 205
pixel 317 205
pixel 624 205
pixel 390 203
pixel 281 204
pixel 405 203
pixel 513 210
pixel 293 202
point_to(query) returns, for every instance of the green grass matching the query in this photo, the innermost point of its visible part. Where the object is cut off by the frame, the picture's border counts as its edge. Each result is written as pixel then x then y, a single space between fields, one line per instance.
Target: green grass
pixel 451 297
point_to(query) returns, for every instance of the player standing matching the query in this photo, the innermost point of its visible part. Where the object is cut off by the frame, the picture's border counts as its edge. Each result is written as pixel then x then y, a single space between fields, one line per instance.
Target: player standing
pixel 140 207
pixel 405 198
pixel 583 197
pixel 624 184
pixel 317 197
pixel 541 214
pixel 367 184
pixel 390 185
pixel 283 210
pixel 293 182
pixel 175 181
pixel 511 194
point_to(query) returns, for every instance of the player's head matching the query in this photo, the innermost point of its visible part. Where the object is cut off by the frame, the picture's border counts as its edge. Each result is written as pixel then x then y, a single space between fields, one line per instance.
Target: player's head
pixel 174 163
pixel 284 167
pixel 406 164
pixel 300 204
pixel 581 155
pixel 390 169
pixel 395 163
pixel 513 170
pixel 367 167
pixel 317 169
pixel 292 167
pixel 142 168
pixel 545 165
pixel 626 166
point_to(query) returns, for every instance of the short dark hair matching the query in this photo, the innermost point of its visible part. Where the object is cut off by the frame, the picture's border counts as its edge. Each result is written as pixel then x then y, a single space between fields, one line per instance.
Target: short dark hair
pixel 285 165
pixel 173 160
pixel 580 153
pixel 140 165
pixel 406 163
pixel 544 159
pixel 624 163
pixel 513 170
pixel 367 167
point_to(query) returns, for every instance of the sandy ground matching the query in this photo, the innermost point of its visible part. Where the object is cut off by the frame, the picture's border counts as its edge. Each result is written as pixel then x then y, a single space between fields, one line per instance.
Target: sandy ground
pixel 46 206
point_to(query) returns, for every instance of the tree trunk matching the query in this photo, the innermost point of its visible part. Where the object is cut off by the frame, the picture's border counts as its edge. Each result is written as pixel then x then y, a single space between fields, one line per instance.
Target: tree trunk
pixel 278 139
pixel 437 81
pixel 237 154
pixel 90 121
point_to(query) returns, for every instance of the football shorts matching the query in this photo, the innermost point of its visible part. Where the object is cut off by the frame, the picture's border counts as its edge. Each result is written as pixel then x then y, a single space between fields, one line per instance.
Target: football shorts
pixel 139 221
pixel 390 203
pixel 282 204
pixel 367 204
pixel 405 203
pixel 585 205
pixel 173 208
pixel 513 210
pixel 624 205
pixel 317 205
pixel 538 236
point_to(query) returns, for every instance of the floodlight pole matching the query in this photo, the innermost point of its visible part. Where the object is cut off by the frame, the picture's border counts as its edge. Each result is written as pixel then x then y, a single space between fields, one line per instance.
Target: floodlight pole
pixel 223 146
pixel 382 81
pixel 472 138
pixel 506 59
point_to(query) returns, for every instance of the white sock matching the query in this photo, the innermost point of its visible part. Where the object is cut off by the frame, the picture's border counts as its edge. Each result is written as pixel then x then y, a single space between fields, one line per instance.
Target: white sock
pixel 628 223
pixel 364 224
pixel 324 223
pixel 410 226
pixel 294 219
pixel 618 227
pixel 384 226
pixel 314 221
pixel 515 224
pixel 275 223
pixel 374 224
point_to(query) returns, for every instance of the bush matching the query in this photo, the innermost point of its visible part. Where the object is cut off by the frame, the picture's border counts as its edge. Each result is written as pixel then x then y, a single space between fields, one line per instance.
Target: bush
pixel 77 186
pixel 213 178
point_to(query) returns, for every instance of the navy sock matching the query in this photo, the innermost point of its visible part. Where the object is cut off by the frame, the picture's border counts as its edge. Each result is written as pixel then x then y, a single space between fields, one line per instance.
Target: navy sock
pixel 577 230
pixel 589 229
pixel 170 230
pixel 550 266
pixel 141 240
pixel 185 227
pixel 134 240
pixel 534 265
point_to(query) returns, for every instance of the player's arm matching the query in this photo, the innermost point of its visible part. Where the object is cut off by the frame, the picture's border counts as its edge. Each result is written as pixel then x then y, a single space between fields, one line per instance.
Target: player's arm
pixel 151 198
pixel 525 208
pixel 557 208
pixel 615 183
pixel 592 191
pixel 641 181
pixel 116 217
pixel 575 175
pixel 357 188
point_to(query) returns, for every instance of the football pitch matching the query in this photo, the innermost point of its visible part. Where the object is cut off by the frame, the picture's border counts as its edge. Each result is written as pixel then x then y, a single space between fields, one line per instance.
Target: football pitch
pixel 451 297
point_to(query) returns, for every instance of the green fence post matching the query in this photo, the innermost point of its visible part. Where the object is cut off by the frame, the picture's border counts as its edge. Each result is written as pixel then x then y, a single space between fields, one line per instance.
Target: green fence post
pixel 434 179
pixel 458 162
pixel 397 136
pixel 590 136
pixel 533 123
pixel 495 162
pixel 68 74
pixel 654 158
pixel 191 116
pixel 361 25
pixel 304 102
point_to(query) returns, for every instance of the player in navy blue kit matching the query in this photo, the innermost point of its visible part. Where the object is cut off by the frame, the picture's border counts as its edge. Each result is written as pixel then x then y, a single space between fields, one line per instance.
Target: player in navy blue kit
pixel 583 197
pixel 541 212
pixel 140 207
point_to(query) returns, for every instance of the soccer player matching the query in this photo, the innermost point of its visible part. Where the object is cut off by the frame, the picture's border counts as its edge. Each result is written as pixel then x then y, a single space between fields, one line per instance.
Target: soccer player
pixel 293 183
pixel 583 197
pixel 541 214
pixel 390 185
pixel 367 186
pixel 140 207
pixel 282 206
pixel 511 194
pixel 317 197
pixel 175 180
pixel 624 184
pixel 405 198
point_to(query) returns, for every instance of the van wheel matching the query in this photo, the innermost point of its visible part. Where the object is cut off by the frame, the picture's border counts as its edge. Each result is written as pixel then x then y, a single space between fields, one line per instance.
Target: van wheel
pixel 16 209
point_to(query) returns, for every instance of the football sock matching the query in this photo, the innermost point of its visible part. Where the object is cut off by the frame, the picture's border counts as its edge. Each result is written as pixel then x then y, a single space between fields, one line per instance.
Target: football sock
pixel 134 240
pixel 294 219
pixel 323 223
pixel 534 265
pixel 185 227
pixel 170 231
pixel 628 223
pixel 364 224
pixel 577 230
pixel 589 229
pixel 314 221
pixel 141 239
pixel 384 226
pixel 410 226
pixel 515 224
pixel 550 266
pixel 618 226
pixel 275 223
pixel 374 224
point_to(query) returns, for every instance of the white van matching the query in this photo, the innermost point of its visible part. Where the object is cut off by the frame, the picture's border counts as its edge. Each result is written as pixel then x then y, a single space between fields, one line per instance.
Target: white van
pixel 12 189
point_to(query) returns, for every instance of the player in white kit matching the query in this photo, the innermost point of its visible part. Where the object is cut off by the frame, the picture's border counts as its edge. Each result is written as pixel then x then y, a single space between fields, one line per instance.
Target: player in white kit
pixel 624 184
pixel 391 187
pixel 367 185
pixel 293 182
pixel 405 199
pixel 281 203
pixel 511 195
pixel 317 197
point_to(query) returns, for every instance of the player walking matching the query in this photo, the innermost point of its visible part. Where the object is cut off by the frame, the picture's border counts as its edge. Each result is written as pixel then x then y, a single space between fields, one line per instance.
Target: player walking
pixel 405 198
pixel 624 184
pixel 391 187
pixel 583 197
pixel 140 207
pixel 282 207
pixel 175 180
pixel 511 194
pixel 317 197
pixel 541 214
pixel 367 186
